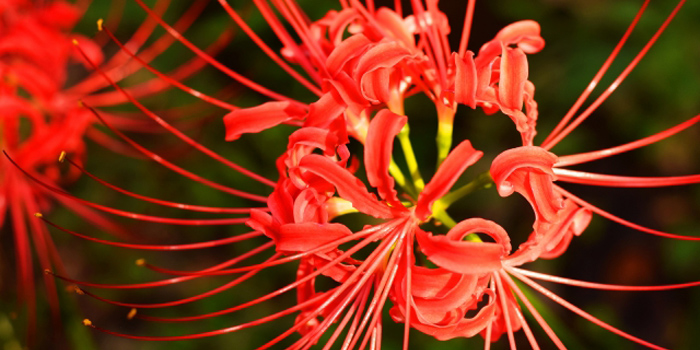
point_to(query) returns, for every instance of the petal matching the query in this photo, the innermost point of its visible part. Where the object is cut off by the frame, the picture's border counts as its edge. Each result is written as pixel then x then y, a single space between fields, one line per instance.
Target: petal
pixel 378 149
pixel 313 137
pixel 307 236
pixel 263 222
pixel 281 201
pixel 528 170
pixel 382 55
pixel 350 48
pixel 525 34
pixel 309 207
pixel 462 157
pixel 466 327
pixel 465 79
pixel 393 23
pixel 438 292
pixel 348 186
pixel 345 89
pixel 325 110
pixel 548 241
pixel 525 157
pixel 262 117
pixel 453 254
pixel 511 86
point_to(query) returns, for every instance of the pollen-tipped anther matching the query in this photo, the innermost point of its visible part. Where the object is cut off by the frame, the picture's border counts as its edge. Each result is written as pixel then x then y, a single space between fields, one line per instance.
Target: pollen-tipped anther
pixel 62 157
pixel 140 262
pixel 131 314
pixel 75 42
pixel 38 215
pixel 99 24
pixel 87 322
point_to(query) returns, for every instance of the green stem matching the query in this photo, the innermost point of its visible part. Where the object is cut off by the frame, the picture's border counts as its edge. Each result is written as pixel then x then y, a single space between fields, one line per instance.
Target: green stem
pixel 400 179
pixel 411 161
pixel 444 140
pixel 444 218
pixel 482 181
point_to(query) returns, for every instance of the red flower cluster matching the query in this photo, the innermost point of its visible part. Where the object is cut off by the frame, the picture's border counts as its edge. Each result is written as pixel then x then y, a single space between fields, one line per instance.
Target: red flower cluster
pixel 43 119
pixel 362 63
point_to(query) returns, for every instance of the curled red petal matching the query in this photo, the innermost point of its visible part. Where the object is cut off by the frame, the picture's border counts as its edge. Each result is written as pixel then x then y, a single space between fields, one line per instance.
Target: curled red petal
pixel 528 170
pixel 263 222
pixel 325 110
pixel 259 118
pixel 395 26
pixel 466 80
pixel 378 148
pixel 465 327
pixel 309 207
pixel 345 89
pixel 511 85
pixel 438 295
pixel 452 253
pixel 549 240
pixel 347 50
pixel 525 157
pixel 370 73
pixel 525 34
pixel 462 157
pixel 348 186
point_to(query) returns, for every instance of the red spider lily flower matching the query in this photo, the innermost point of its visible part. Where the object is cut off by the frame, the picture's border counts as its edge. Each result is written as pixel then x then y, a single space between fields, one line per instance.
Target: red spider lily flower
pixel 36 49
pixel 362 64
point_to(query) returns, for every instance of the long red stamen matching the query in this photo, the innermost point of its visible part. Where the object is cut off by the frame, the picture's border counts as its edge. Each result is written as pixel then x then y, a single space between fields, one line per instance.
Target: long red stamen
pixel 179 133
pixel 158 159
pixel 270 53
pixel 599 75
pixel 282 290
pixel 376 233
pixel 586 178
pixel 169 281
pixel 182 301
pixel 533 311
pixel 357 306
pixel 553 142
pixel 557 299
pixel 236 328
pixel 466 29
pixel 171 247
pixel 222 39
pixel 128 214
pixel 602 286
pixel 197 51
pixel 504 307
pixel 120 61
pixel 595 155
pixel 367 272
pixel 621 221
pixel 197 208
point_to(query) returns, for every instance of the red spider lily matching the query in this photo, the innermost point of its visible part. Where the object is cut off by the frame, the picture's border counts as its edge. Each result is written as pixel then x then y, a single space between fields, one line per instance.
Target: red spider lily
pixel 36 49
pixel 363 63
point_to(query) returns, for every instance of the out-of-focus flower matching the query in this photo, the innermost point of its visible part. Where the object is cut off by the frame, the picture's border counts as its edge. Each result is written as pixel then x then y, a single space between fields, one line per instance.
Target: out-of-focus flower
pixel 43 119
pixel 362 63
